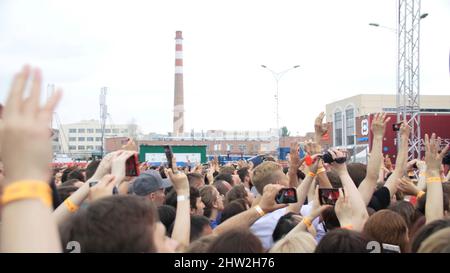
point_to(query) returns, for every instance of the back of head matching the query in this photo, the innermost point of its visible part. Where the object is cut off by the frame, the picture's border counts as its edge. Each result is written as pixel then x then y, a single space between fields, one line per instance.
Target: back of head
pixel 243 172
pixel 227 170
pixel 285 224
pixel 426 231
pixel 166 215
pixel 357 172
pixel 266 173
pixel 236 241
pixel 66 172
pixel 301 242
pixel 76 174
pixel 199 225
pixel 195 179
pixel 201 245
pixel 65 191
pixel 224 176
pixel 91 168
pixel 120 223
pixel 437 243
pixel 233 208
pixel 222 186
pixel 237 192
pixel 330 219
pixel 342 241
pixel 407 211
pixel 70 182
pixel 171 198
pixel 209 197
pixel 386 226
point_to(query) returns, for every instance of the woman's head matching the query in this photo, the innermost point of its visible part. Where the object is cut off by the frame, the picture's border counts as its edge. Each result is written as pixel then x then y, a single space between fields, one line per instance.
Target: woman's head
pixel 125 223
pixel 285 224
pixel 426 231
pixel 407 211
pixel 212 199
pixel 439 242
pixel 235 207
pixel 238 192
pixel 342 241
pixel 301 242
pixel 386 226
pixel 236 241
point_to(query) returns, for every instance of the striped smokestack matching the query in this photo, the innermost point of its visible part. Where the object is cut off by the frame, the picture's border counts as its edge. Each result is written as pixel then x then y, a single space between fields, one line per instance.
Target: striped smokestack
pixel 178 102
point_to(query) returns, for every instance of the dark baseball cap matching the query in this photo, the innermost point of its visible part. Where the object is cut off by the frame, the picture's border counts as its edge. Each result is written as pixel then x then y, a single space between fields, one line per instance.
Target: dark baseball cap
pixel 148 182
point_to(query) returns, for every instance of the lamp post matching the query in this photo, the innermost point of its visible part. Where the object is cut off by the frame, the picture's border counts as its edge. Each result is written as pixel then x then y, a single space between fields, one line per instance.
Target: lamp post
pixel 277 76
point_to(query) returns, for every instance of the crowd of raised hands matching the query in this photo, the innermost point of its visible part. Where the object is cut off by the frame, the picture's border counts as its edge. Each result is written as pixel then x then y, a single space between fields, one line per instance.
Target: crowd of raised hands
pixel 378 207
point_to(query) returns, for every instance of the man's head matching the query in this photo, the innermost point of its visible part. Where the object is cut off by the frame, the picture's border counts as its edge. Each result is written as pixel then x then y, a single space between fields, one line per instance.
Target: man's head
pixel 244 175
pixel 195 180
pixel 196 203
pixel 151 185
pixel 222 186
pixel 267 173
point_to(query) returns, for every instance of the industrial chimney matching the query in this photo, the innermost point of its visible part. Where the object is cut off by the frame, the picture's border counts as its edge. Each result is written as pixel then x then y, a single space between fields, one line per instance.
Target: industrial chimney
pixel 178 102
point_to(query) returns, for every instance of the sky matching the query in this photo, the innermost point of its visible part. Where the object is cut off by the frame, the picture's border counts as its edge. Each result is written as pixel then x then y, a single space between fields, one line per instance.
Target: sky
pixel 129 47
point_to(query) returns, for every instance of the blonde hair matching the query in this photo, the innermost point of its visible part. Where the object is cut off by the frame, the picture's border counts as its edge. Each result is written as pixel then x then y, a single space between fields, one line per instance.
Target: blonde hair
pixel 264 174
pixel 439 242
pixel 300 242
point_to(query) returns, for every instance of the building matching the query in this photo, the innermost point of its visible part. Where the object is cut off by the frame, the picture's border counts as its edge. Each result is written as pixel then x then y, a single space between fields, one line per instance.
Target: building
pixel 56 144
pixel 83 139
pixel 349 121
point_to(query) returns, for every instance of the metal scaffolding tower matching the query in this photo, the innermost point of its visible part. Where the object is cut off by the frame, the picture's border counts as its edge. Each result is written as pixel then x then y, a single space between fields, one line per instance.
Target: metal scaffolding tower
pixel 408 88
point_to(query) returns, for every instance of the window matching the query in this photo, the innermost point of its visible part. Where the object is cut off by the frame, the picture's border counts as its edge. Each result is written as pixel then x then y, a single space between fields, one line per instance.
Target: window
pixel 72 130
pixel 72 139
pixel 89 139
pixel 81 130
pixel 350 126
pixel 90 131
pixel 72 147
pixel 98 139
pixel 242 147
pixel 125 131
pixel 338 128
pixel 81 147
pixel 81 139
pixel 98 148
pixel 98 131
pixel 107 131
pixel 229 147
pixel 115 131
pixel 216 147
pixel 90 147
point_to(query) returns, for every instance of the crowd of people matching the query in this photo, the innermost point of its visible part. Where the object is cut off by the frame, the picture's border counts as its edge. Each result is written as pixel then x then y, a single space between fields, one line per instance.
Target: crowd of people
pixel 381 207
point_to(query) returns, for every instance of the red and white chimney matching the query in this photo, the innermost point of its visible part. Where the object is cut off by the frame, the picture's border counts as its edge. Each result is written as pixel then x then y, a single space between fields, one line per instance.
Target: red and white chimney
pixel 178 103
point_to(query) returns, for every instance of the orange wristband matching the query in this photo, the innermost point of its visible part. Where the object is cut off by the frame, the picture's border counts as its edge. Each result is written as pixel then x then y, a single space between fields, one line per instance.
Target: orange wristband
pixel 311 174
pixel 259 210
pixel 70 205
pixel 420 194
pixel 307 222
pixel 350 227
pixel 321 170
pixel 27 189
pixel 434 179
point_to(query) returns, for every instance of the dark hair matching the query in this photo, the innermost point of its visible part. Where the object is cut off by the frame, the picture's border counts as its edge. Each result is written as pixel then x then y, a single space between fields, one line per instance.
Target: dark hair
pixel 119 223
pixel 91 168
pixel 193 177
pixel 342 241
pixel 426 231
pixel 65 191
pixel 243 172
pixel 357 172
pixel 167 216
pixel 236 241
pixel 55 194
pixel 421 203
pixel 76 174
pixel 233 208
pixel 330 219
pixel 198 224
pixel 70 182
pixel 66 172
pixel 407 211
pixel 236 192
pixel 171 198
pixel 220 186
pixel 285 224
pixel 225 177
pixel 227 170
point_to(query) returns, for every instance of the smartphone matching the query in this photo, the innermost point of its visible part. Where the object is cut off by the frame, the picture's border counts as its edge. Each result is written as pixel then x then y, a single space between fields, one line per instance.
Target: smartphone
pixel 396 127
pixel 328 196
pixel 301 152
pixel 132 166
pixel 169 155
pixel 286 196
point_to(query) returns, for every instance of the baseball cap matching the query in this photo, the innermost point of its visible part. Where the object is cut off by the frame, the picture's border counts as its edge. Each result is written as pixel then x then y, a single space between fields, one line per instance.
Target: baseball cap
pixel 148 182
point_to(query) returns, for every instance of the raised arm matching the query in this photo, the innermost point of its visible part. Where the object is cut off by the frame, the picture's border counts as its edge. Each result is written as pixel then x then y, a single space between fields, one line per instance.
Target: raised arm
pixel 247 218
pixel 400 162
pixel 320 129
pixel 27 223
pixel 369 184
pixel 294 164
pixel 434 208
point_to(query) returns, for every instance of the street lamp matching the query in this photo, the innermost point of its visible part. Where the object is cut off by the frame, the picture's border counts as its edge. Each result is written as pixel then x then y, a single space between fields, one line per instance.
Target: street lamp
pixel 277 76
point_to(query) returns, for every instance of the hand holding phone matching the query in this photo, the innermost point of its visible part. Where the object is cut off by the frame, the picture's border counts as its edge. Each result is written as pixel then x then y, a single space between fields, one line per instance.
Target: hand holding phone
pixel 132 166
pixel 286 196
pixel 169 155
pixel 328 196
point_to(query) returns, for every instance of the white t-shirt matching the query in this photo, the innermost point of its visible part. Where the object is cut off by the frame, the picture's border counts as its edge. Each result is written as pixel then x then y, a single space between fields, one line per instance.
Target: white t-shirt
pixel 263 228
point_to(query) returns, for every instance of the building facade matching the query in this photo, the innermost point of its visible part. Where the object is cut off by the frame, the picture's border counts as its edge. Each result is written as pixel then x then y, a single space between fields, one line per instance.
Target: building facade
pixel 349 121
pixel 83 139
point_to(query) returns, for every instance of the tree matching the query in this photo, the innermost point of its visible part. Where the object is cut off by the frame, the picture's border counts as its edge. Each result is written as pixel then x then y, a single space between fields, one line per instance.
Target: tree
pixel 285 132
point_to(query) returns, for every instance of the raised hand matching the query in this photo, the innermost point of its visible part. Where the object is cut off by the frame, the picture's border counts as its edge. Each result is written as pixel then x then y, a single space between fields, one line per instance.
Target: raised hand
pixel 180 182
pixel 103 188
pixel 379 124
pixel 433 158
pixel 319 127
pixel 267 202
pixel 118 166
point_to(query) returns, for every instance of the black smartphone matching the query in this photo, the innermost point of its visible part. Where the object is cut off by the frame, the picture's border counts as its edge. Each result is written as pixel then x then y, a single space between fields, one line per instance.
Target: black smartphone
pixel 396 127
pixel 286 196
pixel 169 155
pixel 328 196
pixel 132 166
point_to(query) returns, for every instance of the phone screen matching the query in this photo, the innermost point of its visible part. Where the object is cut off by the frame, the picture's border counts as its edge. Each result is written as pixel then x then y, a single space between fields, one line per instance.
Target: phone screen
pixel 396 127
pixel 328 196
pixel 132 166
pixel 169 155
pixel 286 196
